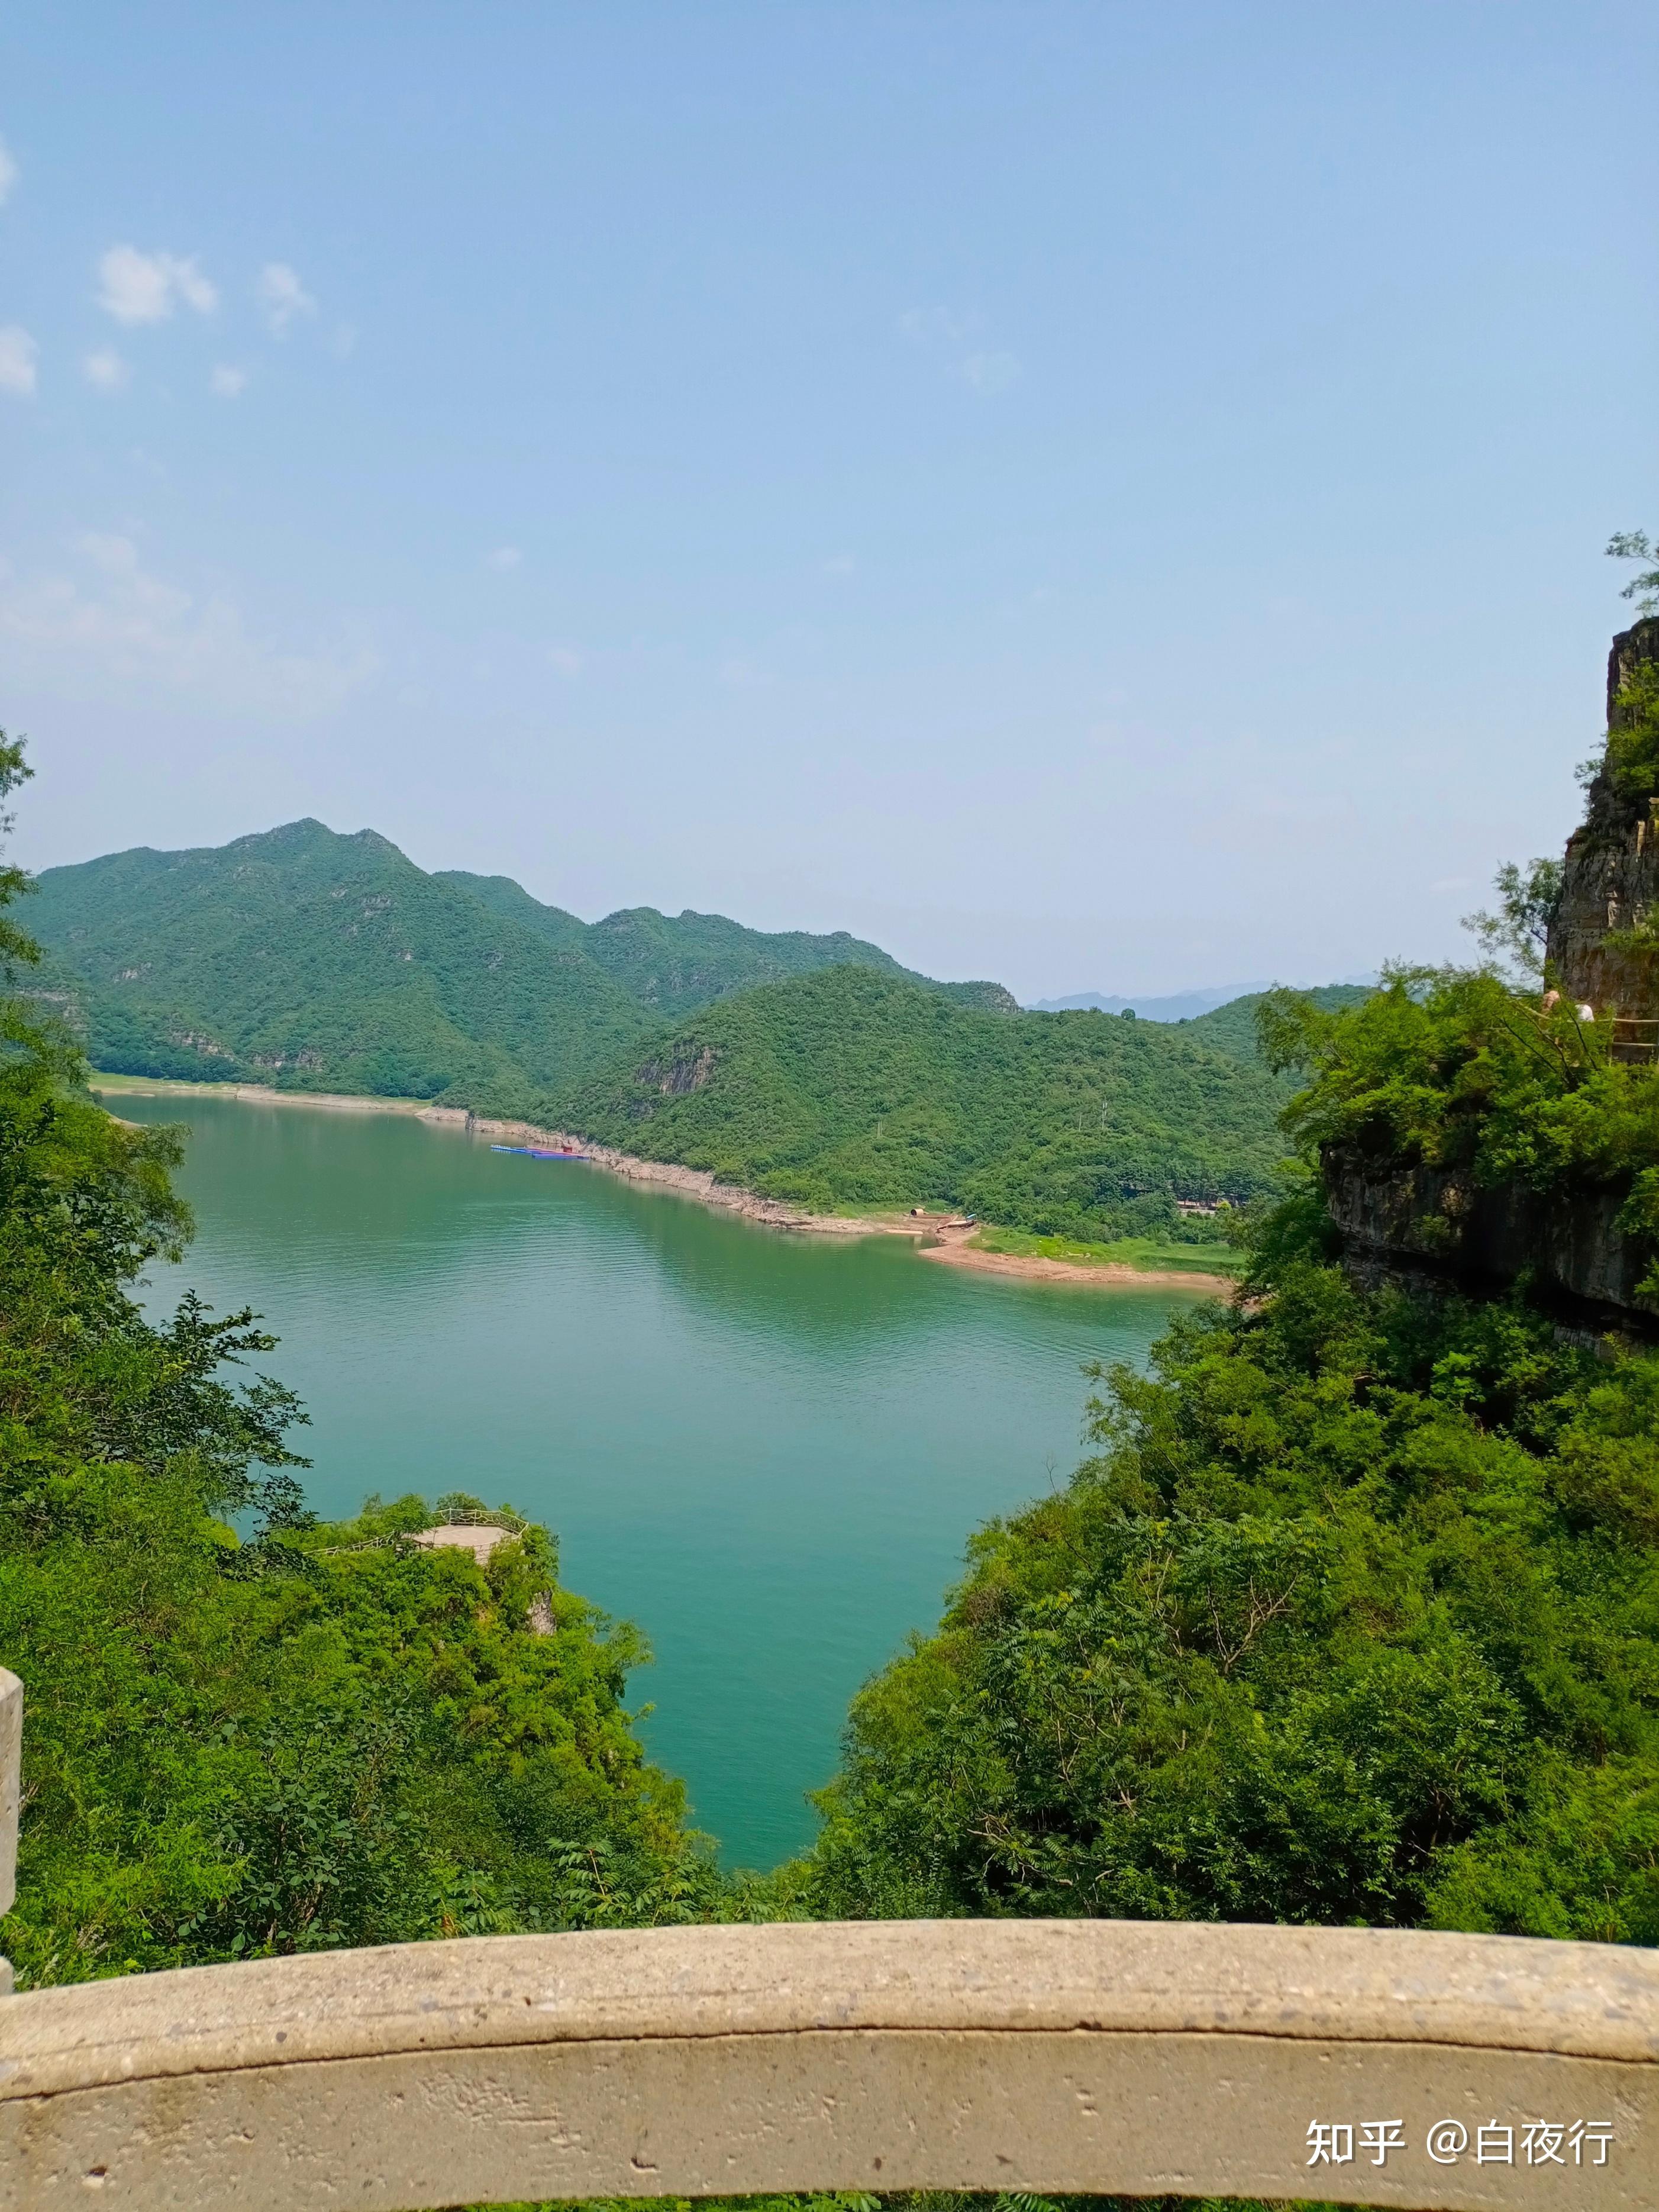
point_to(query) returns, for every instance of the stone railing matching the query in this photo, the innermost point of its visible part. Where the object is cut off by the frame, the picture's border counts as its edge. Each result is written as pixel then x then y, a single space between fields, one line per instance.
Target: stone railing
pixel 1140 2058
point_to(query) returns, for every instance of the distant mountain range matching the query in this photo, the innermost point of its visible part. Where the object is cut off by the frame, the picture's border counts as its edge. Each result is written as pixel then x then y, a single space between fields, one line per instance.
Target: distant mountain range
pixel 1180 1006
pixel 815 1069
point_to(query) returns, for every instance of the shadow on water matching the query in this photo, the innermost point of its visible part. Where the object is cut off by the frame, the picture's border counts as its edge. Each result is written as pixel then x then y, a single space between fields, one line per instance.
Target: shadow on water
pixel 767 1449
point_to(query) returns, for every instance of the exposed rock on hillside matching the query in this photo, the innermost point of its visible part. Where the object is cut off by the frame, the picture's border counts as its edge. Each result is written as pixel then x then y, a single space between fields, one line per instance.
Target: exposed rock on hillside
pixel 1420 1222
pixel 1610 880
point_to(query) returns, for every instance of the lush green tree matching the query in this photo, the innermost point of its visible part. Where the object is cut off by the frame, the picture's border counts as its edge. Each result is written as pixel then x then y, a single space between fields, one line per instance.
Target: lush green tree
pixel 1634 545
pixel 1352 1619
pixel 1516 935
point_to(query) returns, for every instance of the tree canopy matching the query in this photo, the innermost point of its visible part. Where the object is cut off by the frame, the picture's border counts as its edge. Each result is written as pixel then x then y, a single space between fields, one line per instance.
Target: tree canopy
pixel 1351 1617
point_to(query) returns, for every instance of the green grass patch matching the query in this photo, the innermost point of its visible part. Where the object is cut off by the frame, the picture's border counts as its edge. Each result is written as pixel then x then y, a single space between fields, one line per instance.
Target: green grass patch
pixel 167 1086
pixel 1149 1253
pixel 142 1084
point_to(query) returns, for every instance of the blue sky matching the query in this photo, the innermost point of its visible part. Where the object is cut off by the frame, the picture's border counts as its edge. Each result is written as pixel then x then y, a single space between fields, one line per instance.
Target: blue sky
pixel 1106 496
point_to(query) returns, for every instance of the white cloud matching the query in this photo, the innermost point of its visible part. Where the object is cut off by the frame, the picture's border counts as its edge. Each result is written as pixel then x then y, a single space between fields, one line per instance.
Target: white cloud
pixel 840 564
pixel 282 296
pixel 932 326
pixel 145 288
pixel 7 172
pixel 17 353
pixel 226 382
pixel 108 550
pixel 565 658
pixel 504 557
pixel 105 369
pixel 115 628
pixel 986 373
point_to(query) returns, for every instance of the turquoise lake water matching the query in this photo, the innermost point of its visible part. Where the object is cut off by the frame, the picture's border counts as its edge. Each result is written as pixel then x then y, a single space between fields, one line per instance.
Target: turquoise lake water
pixel 767 1449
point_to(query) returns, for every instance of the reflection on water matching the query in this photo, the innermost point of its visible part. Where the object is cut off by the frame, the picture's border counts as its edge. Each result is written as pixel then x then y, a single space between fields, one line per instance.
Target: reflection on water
pixel 767 1449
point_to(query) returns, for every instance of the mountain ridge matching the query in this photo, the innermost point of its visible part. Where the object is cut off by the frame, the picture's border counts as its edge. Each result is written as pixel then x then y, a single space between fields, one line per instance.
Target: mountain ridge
pixel 323 960
pixel 674 963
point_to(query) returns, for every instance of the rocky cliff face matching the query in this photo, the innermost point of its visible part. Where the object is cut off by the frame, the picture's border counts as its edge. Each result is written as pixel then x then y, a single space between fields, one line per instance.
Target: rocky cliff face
pixel 1610 878
pixel 1437 1224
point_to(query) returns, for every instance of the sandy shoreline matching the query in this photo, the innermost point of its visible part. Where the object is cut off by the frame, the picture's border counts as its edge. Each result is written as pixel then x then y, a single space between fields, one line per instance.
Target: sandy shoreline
pixel 951 1247
pixel 1035 1268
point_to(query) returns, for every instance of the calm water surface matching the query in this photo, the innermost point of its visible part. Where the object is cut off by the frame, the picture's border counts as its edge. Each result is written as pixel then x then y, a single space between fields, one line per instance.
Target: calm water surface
pixel 767 1449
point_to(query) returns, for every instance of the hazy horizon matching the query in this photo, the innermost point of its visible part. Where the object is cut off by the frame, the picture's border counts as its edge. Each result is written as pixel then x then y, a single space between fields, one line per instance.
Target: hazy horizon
pixel 1100 498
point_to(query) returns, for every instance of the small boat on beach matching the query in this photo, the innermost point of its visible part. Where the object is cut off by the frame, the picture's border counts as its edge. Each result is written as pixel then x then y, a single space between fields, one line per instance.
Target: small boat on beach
pixel 540 1153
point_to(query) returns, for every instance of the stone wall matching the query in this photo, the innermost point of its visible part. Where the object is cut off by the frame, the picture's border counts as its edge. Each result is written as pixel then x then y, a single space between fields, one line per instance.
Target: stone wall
pixel 1374 2066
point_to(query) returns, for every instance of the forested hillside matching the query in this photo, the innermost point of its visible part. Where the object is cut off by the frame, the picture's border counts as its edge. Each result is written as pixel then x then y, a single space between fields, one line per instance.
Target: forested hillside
pixel 673 964
pixel 320 963
pixel 1235 1029
pixel 323 963
pixel 849 1087
pixel 814 1068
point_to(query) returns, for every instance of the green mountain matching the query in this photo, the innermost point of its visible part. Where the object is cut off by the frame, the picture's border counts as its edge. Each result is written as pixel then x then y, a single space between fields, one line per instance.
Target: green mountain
pixel 849 1087
pixel 675 964
pixel 317 962
pixel 514 904
pixel 1232 1028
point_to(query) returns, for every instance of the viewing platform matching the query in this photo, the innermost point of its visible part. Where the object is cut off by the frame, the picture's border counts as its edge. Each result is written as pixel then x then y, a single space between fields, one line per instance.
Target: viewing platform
pixel 1360 2066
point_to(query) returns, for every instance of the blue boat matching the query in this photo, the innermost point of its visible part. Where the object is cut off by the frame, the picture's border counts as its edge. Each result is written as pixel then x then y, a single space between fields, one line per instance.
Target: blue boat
pixel 540 1152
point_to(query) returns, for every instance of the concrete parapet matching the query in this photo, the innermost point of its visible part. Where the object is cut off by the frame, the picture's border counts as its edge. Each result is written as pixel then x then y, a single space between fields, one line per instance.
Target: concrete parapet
pixel 1362 2066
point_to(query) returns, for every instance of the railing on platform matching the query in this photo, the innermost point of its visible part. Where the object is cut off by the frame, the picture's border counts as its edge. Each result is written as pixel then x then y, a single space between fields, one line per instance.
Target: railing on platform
pixel 1634 1039
pixel 1136 2058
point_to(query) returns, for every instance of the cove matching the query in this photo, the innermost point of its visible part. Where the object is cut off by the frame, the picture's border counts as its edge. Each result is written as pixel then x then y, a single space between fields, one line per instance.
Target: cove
pixel 767 1449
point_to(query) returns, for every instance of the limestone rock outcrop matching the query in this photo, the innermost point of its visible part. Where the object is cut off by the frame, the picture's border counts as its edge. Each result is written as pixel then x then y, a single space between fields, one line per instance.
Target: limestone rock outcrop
pixel 1610 877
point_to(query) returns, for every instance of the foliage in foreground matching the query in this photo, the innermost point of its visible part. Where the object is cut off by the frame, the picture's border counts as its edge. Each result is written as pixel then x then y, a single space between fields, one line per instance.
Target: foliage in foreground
pixel 1351 1618
pixel 1452 1068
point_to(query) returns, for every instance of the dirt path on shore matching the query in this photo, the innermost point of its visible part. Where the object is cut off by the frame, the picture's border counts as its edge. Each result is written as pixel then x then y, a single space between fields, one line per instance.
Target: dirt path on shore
pixel 951 1245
